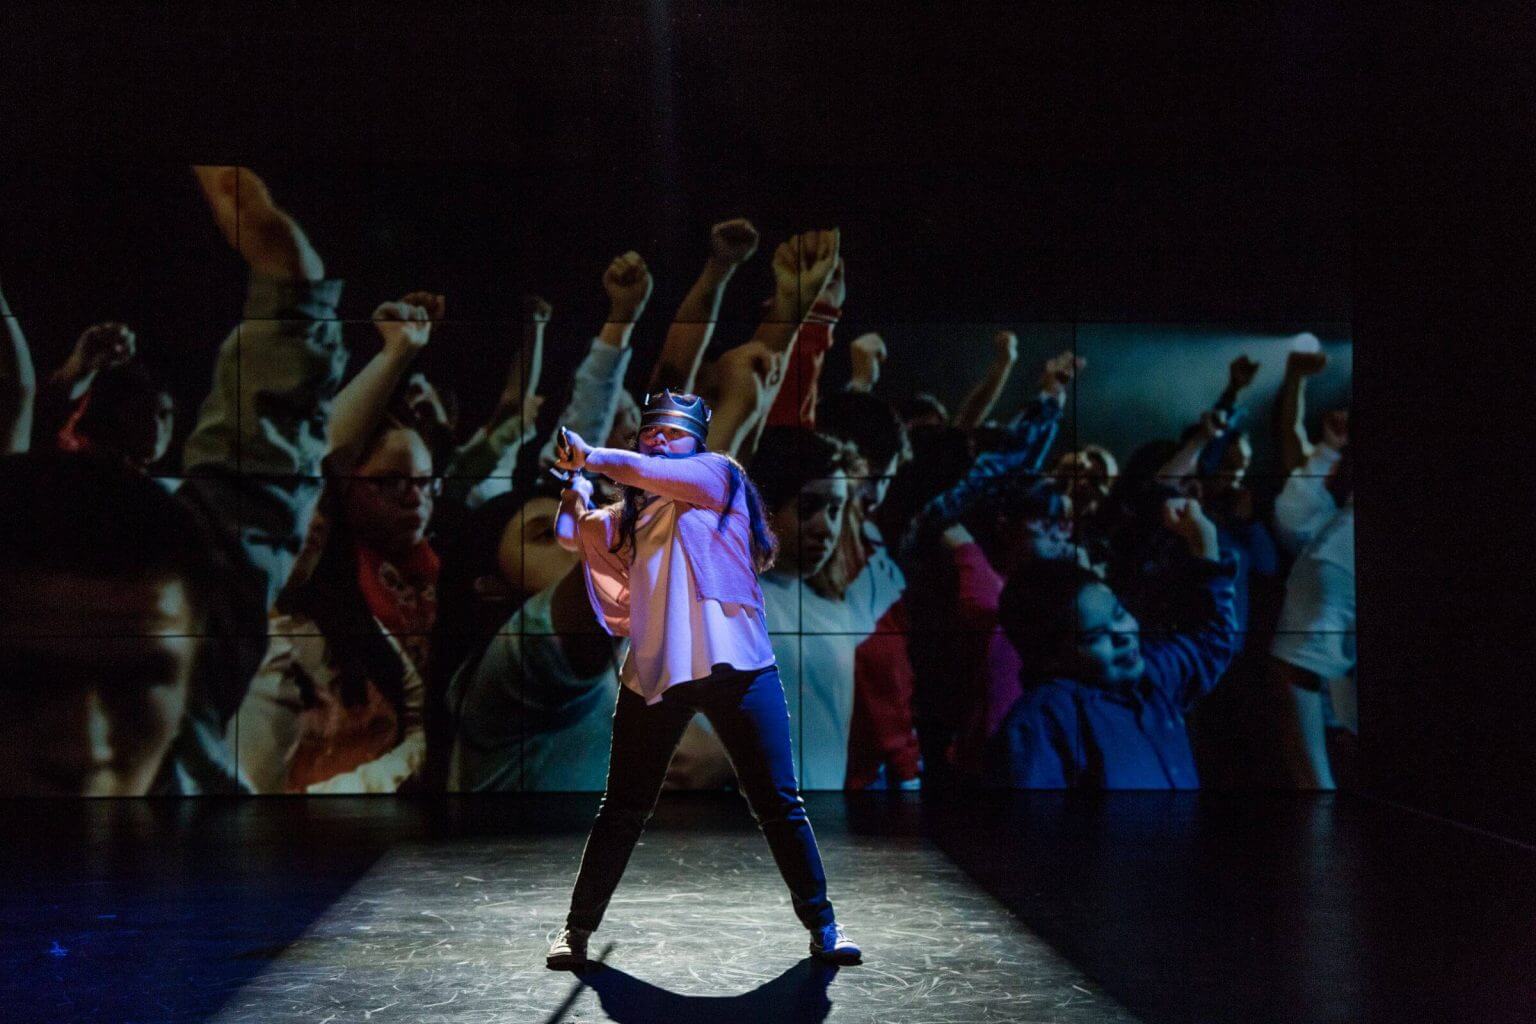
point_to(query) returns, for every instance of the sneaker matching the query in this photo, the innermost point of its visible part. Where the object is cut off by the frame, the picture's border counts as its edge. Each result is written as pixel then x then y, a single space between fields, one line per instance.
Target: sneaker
pixel 569 950
pixel 831 945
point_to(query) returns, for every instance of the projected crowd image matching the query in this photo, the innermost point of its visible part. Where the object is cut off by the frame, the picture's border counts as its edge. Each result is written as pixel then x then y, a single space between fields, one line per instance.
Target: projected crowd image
pixel 327 555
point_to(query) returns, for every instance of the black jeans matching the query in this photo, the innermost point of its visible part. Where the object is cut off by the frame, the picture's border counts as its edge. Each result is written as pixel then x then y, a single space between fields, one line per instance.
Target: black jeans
pixel 749 714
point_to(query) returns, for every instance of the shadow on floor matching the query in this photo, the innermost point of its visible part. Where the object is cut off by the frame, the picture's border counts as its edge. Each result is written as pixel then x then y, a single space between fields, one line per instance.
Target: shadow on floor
pixel 798 996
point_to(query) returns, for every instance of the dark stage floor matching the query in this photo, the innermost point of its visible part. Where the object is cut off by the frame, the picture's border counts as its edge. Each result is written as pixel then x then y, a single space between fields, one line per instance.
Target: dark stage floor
pixel 1018 907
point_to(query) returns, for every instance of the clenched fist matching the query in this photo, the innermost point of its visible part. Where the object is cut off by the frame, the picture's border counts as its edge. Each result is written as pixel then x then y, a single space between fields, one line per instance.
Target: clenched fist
pixel 536 309
pixel 733 241
pixel 405 327
pixel 868 353
pixel 1305 364
pixel 628 284
pixel 1241 373
pixel 803 265
pixel 1185 519
pixel 1059 372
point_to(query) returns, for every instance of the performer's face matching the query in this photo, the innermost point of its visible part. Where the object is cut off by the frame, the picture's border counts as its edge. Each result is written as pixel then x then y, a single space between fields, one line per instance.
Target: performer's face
pixel 663 440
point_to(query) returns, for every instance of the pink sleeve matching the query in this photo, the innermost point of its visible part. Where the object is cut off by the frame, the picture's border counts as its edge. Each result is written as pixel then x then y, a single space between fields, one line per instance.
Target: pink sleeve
pixel 795 405
pixel 703 479
pixel 977 584
pixel 607 573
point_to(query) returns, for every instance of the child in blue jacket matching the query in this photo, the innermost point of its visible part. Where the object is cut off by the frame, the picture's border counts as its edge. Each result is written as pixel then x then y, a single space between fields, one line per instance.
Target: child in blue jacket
pixel 1104 706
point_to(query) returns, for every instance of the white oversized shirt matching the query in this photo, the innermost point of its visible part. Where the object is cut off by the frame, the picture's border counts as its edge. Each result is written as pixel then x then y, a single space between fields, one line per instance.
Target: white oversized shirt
pixel 675 636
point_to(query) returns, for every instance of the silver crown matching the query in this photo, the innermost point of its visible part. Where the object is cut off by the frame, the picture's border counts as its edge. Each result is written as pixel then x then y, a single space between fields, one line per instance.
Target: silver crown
pixel 671 410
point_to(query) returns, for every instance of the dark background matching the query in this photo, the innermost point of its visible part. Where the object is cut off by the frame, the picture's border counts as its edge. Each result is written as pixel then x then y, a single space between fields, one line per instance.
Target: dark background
pixel 1010 162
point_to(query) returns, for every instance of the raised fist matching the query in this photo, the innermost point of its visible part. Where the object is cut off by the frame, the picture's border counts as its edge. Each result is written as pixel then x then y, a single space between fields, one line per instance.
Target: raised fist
pixel 836 288
pixel 628 284
pixel 104 346
pixel 1305 364
pixel 868 353
pixel 403 326
pixel 733 241
pixel 537 310
pixel 1184 518
pixel 1241 373
pixel 1005 345
pixel 1059 372
pixel 435 305
pixel 802 265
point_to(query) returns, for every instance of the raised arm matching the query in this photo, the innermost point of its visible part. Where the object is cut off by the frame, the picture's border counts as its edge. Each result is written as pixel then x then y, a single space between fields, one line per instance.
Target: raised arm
pixel 802 267
pixel 599 379
pixel 253 459
pixel 1029 439
pixel 731 243
pixel 527 364
pixel 405 327
pixel 628 284
pixel 1185 462
pixel 1240 374
pixel 744 376
pixel 978 404
pixel 795 405
pixel 698 480
pixel 1188 665
pixel 1291 408
pixel 18 383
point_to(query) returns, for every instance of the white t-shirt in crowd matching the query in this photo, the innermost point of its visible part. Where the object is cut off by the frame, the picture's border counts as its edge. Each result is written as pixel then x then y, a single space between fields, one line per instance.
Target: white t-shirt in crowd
pixel 1304 504
pixel 1316 631
pixel 815 638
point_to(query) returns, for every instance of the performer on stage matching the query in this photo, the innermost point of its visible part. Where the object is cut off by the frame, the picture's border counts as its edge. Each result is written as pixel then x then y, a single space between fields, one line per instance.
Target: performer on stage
pixel 674 567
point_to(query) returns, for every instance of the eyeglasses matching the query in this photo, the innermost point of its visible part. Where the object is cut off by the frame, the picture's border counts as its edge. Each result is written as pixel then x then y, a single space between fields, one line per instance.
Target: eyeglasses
pixel 399 486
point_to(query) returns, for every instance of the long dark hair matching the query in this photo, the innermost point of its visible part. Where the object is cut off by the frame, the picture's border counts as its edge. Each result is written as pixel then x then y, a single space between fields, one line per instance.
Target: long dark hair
pixel 765 546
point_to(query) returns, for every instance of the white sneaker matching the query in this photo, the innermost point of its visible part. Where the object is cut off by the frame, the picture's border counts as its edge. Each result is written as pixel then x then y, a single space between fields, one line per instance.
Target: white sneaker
pixel 569 950
pixel 831 945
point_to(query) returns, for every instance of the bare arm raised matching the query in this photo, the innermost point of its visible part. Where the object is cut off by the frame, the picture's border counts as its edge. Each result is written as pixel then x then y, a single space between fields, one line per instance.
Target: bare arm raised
pixel 18 383
pixel 731 243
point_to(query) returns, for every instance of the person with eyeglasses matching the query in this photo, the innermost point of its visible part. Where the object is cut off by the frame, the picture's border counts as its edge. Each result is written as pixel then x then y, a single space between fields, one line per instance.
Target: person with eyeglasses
pixel 338 705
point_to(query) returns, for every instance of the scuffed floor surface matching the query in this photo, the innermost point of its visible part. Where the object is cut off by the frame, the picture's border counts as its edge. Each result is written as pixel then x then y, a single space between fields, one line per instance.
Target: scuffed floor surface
pixel 1160 908
pixel 701 930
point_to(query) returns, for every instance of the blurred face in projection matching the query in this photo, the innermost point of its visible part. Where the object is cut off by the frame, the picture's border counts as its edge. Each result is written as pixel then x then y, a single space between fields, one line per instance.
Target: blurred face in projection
pixel 529 557
pixel 808 525
pixel 1234 467
pixel 96 673
pixel 626 422
pixel 1088 475
pixel 1107 648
